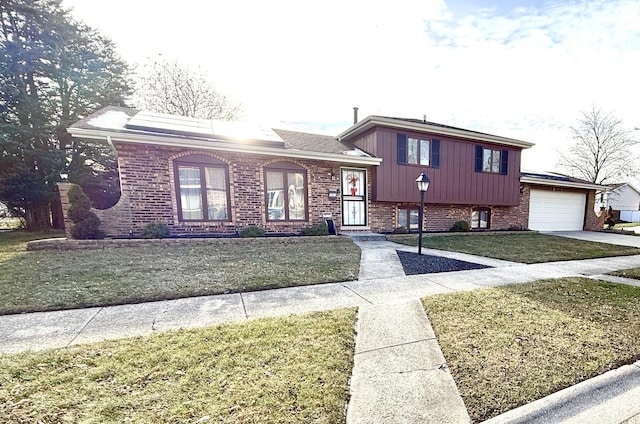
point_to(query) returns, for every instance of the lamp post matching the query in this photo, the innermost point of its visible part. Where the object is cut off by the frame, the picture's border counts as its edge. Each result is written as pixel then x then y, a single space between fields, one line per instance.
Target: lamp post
pixel 423 185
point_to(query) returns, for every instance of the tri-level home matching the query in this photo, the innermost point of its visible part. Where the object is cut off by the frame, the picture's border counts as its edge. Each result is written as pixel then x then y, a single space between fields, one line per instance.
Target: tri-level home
pixel 211 177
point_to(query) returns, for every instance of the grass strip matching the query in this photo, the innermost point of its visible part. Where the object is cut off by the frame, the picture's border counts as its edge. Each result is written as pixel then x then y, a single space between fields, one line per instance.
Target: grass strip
pixel 512 345
pixel 51 280
pixel 281 370
pixel 523 248
pixel 633 273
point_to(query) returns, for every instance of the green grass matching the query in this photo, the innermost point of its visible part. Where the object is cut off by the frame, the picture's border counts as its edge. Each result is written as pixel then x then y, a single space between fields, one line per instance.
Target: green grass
pixel 51 280
pixel 280 370
pixel 626 224
pixel 512 345
pixel 627 273
pixel 525 248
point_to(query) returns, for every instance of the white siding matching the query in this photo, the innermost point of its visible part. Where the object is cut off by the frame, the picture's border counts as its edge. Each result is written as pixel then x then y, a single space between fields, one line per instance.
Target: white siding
pixel 556 210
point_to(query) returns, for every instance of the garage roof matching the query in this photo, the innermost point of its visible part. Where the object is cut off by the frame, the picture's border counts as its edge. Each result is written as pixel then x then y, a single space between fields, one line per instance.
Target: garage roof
pixel 557 180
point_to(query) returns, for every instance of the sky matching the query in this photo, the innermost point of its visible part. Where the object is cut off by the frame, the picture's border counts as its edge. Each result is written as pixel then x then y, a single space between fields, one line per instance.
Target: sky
pixel 514 68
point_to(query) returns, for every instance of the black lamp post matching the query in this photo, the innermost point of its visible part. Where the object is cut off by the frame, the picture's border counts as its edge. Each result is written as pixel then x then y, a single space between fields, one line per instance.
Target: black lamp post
pixel 423 185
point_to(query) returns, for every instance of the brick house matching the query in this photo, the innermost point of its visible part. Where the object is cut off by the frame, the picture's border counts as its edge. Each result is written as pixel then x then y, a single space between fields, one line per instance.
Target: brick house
pixel 209 177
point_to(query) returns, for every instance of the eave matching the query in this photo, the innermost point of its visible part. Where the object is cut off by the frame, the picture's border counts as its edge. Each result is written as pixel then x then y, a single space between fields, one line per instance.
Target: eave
pixel 216 145
pixel 371 122
pixel 565 184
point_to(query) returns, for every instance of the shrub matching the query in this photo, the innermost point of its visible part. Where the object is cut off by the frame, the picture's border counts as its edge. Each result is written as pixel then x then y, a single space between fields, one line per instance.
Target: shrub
pixel 88 228
pixel 252 231
pixel 320 229
pixel 155 230
pixel 400 230
pixel 86 223
pixel 460 227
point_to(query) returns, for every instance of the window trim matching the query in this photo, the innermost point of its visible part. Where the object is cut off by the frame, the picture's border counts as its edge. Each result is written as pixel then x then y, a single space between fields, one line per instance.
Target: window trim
pixel 201 162
pixel 481 209
pixel 286 168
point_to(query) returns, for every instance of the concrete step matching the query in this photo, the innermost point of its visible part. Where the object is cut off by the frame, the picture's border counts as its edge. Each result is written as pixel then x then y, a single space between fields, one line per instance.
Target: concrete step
pixel 361 236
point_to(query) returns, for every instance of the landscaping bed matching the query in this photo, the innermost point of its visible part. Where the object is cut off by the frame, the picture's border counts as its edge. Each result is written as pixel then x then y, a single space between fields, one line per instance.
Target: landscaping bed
pixel 279 370
pixel 524 247
pixel 512 345
pixel 414 264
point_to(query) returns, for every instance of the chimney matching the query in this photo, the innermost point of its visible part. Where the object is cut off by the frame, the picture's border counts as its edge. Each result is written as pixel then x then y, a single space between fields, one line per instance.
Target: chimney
pixel 355 114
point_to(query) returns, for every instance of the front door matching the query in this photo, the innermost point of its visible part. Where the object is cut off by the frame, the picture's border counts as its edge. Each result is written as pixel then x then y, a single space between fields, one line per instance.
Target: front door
pixel 354 197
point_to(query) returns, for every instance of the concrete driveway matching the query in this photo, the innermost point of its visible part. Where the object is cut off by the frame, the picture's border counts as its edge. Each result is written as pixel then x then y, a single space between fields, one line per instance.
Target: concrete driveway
pixel 600 237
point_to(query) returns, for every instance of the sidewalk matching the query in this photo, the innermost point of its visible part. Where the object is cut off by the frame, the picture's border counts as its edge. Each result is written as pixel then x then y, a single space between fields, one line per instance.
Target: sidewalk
pixel 395 346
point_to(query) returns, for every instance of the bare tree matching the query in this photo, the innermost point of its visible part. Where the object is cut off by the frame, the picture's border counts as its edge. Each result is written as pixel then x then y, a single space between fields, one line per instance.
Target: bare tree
pixel 168 87
pixel 602 149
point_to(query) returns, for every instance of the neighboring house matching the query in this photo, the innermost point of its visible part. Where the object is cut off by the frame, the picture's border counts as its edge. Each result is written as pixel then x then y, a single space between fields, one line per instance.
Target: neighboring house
pixel 210 177
pixel 620 197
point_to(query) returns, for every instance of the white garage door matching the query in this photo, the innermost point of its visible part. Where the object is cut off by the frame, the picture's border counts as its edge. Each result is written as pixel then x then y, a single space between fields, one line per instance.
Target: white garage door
pixel 556 210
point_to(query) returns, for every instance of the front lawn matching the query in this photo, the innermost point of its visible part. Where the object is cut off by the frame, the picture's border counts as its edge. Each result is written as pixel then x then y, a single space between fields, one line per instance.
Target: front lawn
pixel 278 370
pixel 50 280
pixel 511 345
pixel 524 248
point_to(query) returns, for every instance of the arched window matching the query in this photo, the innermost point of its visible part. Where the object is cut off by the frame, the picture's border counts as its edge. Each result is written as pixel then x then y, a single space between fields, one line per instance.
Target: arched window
pixel 202 188
pixel 481 218
pixel 286 192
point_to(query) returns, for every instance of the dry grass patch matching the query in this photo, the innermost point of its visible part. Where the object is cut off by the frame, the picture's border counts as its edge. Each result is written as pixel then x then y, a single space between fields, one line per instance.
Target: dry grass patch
pixel 50 280
pixel 524 248
pixel 512 345
pixel 282 370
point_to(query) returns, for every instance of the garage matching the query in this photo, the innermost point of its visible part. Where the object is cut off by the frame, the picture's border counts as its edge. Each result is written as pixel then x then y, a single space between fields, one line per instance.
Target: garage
pixel 556 210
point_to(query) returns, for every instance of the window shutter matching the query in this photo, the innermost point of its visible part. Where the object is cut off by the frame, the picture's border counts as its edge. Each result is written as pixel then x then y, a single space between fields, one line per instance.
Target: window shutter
pixel 478 158
pixel 435 153
pixel 402 149
pixel 505 162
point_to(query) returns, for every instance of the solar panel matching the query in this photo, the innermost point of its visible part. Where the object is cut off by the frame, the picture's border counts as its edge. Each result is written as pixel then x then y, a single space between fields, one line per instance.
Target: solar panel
pixel 243 132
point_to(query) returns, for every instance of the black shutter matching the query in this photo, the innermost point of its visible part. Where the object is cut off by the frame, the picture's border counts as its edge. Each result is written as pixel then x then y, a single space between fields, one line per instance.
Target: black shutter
pixel 402 149
pixel 505 162
pixel 435 153
pixel 478 158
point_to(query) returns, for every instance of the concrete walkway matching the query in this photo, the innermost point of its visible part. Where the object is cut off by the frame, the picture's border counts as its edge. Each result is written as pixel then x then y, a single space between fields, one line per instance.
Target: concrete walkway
pixel 399 372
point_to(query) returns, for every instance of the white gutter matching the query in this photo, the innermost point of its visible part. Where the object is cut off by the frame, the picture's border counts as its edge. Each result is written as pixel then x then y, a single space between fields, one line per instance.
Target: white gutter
pixel 218 145
pixel 556 183
pixel 371 121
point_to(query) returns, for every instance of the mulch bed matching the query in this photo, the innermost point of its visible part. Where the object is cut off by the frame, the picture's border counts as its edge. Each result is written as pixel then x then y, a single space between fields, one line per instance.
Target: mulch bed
pixel 414 264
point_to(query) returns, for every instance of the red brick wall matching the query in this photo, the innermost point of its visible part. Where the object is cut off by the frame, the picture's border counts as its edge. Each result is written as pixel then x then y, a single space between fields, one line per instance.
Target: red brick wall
pixel 383 216
pixel 148 192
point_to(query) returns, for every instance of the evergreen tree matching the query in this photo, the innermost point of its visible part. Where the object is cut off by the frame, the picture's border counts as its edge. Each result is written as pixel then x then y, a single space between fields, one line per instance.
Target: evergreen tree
pixel 53 72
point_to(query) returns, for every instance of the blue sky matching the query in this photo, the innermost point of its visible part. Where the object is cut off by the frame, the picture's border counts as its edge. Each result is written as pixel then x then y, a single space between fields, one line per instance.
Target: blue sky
pixel 522 69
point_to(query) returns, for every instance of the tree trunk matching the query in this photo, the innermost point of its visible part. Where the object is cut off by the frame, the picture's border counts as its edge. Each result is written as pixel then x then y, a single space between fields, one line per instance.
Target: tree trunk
pixel 38 218
pixel 57 216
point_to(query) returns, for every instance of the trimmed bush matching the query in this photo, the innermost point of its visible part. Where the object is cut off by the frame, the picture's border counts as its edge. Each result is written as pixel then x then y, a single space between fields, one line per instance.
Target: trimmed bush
pixel 86 223
pixel 400 230
pixel 155 230
pixel 252 231
pixel 316 230
pixel 460 227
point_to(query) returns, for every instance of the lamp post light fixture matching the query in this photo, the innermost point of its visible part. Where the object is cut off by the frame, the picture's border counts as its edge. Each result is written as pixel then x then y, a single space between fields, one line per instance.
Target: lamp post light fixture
pixel 423 185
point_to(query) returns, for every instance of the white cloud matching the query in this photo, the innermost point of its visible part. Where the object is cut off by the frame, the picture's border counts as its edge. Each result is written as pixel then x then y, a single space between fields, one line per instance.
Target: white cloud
pixel 524 72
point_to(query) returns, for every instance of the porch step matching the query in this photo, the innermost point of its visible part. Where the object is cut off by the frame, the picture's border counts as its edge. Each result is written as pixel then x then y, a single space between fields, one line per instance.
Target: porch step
pixel 364 236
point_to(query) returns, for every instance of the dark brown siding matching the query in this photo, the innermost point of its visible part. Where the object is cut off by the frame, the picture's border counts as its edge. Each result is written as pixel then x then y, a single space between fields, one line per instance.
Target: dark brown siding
pixel 454 182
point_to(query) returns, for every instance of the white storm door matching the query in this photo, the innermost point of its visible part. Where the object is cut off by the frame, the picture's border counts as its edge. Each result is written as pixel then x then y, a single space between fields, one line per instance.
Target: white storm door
pixel 354 197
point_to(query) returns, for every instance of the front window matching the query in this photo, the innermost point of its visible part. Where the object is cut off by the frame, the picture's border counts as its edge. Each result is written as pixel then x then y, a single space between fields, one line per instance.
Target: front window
pixel 408 218
pixel 491 161
pixel 480 218
pixel 417 152
pixel 202 189
pixel 286 194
